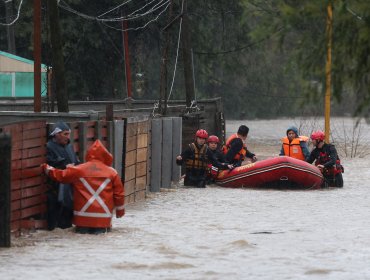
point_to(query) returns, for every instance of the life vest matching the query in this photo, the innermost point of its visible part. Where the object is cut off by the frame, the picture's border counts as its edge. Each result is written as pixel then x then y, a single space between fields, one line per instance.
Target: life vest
pixel 293 149
pixel 333 170
pixel 200 159
pixel 240 156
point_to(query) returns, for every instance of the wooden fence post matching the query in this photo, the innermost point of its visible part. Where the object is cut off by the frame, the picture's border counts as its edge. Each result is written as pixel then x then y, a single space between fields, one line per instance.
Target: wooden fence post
pixel 82 141
pixel 5 165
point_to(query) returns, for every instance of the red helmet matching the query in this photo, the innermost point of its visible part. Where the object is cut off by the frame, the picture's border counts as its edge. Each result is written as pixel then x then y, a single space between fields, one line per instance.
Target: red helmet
pixel 201 133
pixel 213 138
pixel 318 135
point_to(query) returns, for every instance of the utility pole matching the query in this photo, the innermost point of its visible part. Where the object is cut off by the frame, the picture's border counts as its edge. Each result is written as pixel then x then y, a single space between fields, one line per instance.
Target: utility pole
pixel 186 53
pixel 127 57
pixel 37 55
pixel 10 28
pixel 329 35
pixel 163 81
pixel 57 56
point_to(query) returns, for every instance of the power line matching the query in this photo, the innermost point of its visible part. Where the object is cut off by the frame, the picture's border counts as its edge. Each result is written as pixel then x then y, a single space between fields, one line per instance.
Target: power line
pixel 354 14
pixel 132 16
pixel 115 8
pixel 17 17
pixel 140 27
pixel 177 53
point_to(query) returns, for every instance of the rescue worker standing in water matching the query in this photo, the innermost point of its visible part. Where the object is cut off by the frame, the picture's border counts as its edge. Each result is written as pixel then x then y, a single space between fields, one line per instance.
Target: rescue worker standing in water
pixel 97 190
pixel 235 149
pixel 326 159
pixel 196 157
pixel 294 146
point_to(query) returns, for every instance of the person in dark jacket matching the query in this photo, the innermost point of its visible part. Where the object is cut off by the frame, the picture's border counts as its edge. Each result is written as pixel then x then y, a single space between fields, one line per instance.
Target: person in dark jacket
pixel 235 149
pixel 60 154
pixel 326 159
pixel 196 157
pixel 213 143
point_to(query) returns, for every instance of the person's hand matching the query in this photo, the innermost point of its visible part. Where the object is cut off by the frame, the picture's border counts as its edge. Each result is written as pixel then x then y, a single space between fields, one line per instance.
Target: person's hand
pixel 254 159
pixel 70 165
pixel 179 157
pixel 230 166
pixel 321 167
pixel 45 168
pixel 120 213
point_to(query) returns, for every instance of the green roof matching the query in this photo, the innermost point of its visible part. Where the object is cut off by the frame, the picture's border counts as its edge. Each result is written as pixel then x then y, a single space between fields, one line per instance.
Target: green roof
pixel 16 57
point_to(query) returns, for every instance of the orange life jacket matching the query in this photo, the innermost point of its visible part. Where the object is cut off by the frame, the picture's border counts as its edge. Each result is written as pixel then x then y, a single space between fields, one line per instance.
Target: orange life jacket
pixel 293 149
pixel 240 156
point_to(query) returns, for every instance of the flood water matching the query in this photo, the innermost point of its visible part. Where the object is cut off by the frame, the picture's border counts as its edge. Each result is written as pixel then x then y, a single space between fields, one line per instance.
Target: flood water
pixel 219 233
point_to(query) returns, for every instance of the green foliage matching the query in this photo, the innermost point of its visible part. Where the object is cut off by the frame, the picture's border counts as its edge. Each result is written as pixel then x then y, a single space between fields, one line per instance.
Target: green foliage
pixel 264 58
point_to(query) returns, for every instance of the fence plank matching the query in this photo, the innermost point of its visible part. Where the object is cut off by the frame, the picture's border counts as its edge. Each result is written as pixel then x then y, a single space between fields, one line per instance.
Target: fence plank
pixel 130 158
pixel 141 183
pixel 142 154
pixel 129 187
pixel 142 141
pixel 28 212
pixel 131 143
pixel 129 173
pixel 35 132
pixel 140 169
pixel 33 224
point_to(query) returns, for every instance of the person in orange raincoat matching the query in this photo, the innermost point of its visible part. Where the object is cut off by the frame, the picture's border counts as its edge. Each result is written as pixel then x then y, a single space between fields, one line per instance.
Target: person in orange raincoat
pixel 97 190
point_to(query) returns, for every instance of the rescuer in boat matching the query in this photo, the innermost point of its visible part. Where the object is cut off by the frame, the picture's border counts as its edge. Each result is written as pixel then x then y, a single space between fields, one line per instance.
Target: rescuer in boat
pixel 235 149
pixel 197 156
pixel 97 190
pixel 326 159
pixel 294 146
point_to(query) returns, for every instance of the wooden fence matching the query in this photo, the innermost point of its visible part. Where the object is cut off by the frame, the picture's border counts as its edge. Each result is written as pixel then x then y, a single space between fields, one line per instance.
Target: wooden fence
pixel 144 152
pixel 126 139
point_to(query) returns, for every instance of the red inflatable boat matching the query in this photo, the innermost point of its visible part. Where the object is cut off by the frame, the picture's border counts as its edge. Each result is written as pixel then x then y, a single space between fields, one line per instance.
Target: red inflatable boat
pixel 278 172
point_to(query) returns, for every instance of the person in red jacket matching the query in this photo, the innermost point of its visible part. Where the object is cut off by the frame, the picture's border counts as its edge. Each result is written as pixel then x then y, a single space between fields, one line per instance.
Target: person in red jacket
pixel 97 190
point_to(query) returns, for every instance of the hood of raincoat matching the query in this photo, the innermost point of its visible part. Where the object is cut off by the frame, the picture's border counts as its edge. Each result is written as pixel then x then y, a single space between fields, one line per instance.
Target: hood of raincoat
pixel 292 128
pixel 98 152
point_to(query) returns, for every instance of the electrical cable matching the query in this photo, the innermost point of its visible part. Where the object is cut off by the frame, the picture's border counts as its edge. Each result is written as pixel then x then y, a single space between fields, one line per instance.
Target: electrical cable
pixel 177 53
pixel 17 17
